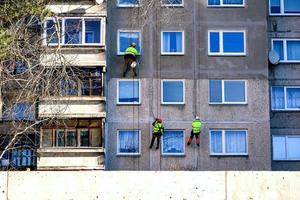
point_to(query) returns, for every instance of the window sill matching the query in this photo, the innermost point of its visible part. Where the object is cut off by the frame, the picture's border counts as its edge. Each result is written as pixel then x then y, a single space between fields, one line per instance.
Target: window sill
pixel 128 104
pixel 228 104
pixel 225 6
pixel 227 55
pixel 71 150
pixel 172 6
pixel 229 155
pixel 74 98
pixel 172 54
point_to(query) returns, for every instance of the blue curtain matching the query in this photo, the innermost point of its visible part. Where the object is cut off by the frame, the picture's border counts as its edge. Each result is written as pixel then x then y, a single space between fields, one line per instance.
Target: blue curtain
pixel 128 142
pixel 293 50
pixel 173 91
pixel 293 148
pixel 129 91
pixel 215 91
pixel 214 42
pixel 293 97
pixel 278 47
pixel 234 91
pixel 275 6
pixel 291 6
pixel 235 142
pixel 172 42
pixel 235 2
pixel 277 98
pixel 173 142
pixel 214 2
pixel 216 141
pixel 233 42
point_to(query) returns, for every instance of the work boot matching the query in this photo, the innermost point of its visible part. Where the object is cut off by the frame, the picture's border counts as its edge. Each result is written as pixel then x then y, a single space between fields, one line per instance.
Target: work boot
pixel 189 141
pixel 135 74
pixel 198 142
pixel 157 147
pixel 124 74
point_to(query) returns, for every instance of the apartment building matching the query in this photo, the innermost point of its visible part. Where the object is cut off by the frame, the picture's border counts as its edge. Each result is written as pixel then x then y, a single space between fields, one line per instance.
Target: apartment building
pixel 284 40
pixel 203 58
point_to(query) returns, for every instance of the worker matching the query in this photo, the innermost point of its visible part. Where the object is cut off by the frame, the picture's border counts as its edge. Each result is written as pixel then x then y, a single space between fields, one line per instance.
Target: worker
pixel 130 59
pixel 196 130
pixel 158 131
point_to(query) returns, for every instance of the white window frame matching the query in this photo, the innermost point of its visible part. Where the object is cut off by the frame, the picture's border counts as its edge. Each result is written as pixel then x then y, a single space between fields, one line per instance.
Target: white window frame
pixel 285 99
pixel 61 41
pixel 222 53
pixel 173 154
pixel 227 5
pixel 286 144
pixel 128 6
pixel 224 145
pixel 172 53
pixel 172 5
pixel 128 31
pixel 129 154
pixel 285 59
pixel 281 10
pixel 162 91
pixel 118 95
pixel 223 93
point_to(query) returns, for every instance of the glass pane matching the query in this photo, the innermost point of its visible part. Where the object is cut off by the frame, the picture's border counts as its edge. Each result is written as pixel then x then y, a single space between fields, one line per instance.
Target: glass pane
pixel 172 42
pixel 22 111
pixel 293 148
pixel 71 138
pixel 291 6
pixel 214 42
pixel 126 38
pixel 275 6
pixel 171 2
pixel 235 142
pixel 279 152
pixel 84 138
pixel 92 31
pixel 214 2
pixel 215 91
pixel 173 91
pixel 128 91
pixel 277 98
pixel 173 142
pixel 233 2
pixel 73 31
pixel 293 97
pixel 216 141
pixel 60 137
pixel 96 137
pixel 68 88
pixel 233 42
pixel 234 91
pixel 128 142
pixel 128 2
pixel 51 30
pixel 96 87
pixel 293 50
pixel 47 138
pixel 278 47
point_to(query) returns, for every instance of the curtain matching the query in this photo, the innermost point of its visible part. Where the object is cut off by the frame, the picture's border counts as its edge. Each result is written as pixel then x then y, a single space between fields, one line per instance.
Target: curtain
pixel 128 142
pixel 293 50
pixel 291 6
pixel 173 142
pixel 166 42
pixel 172 42
pixel 275 6
pixel 214 2
pixel 216 141
pixel 278 47
pixel 277 98
pixel 234 91
pixel 129 91
pixel 173 91
pixel 235 142
pixel 293 97
pixel 236 2
pixel 279 148
pixel 293 148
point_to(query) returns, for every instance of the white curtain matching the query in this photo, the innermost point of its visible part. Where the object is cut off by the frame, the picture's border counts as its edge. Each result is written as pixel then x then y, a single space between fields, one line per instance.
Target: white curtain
pixel 293 97
pixel 173 142
pixel 235 142
pixel 216 141
pixel 277 98
pixel 293 50
pixel 128 142
pixel 166 42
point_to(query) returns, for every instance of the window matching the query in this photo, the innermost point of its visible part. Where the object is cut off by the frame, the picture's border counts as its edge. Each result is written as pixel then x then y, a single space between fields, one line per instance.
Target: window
pixel 128 92
pixel 226 3
pixel 231 43
pixel 228 142
pixel 285 98
pixel 227 92
pixel 128 3
pixel 129 142
pixel 172 2
pixel 125 38
pixel 284 7
pixel 288 49
pixel 172 91
pixel 82 133
pixel 73 31
pixel 18 111
pixel 286 147
pixel 173 142
pixel 172 42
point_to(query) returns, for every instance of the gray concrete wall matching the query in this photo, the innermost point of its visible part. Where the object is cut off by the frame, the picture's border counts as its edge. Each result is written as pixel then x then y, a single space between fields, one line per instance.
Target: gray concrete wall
pixel 95 185
pixel 196 68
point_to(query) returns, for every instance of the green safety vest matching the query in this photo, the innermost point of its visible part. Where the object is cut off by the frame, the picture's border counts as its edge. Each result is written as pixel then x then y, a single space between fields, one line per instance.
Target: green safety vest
pixel 132 51
pixel 196 126
pixel 158 128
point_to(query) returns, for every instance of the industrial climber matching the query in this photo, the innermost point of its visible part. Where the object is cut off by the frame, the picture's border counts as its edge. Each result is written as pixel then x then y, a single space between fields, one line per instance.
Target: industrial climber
pixel 158 131
pixel 130 59
pixel 196 130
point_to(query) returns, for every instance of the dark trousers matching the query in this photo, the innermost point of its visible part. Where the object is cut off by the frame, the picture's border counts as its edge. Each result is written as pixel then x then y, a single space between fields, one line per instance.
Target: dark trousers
pixel 157 136
pixel 192 136
pixel 128 59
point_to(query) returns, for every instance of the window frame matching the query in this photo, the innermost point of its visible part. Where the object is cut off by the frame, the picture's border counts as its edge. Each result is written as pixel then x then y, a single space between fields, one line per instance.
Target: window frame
pixel 285 142
pixel 221 44
pixel 119 53
pixel 224 143
pixel 223 93
pixel 285 55
pixel 128 6
pixel 61 40
pixel 183 142
pixel 118 93
pixel 182 42
pixel 172 5
pixel 227 5
pixel 162 92
pixel 118 153
pixel 285 99
pixel 282 12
